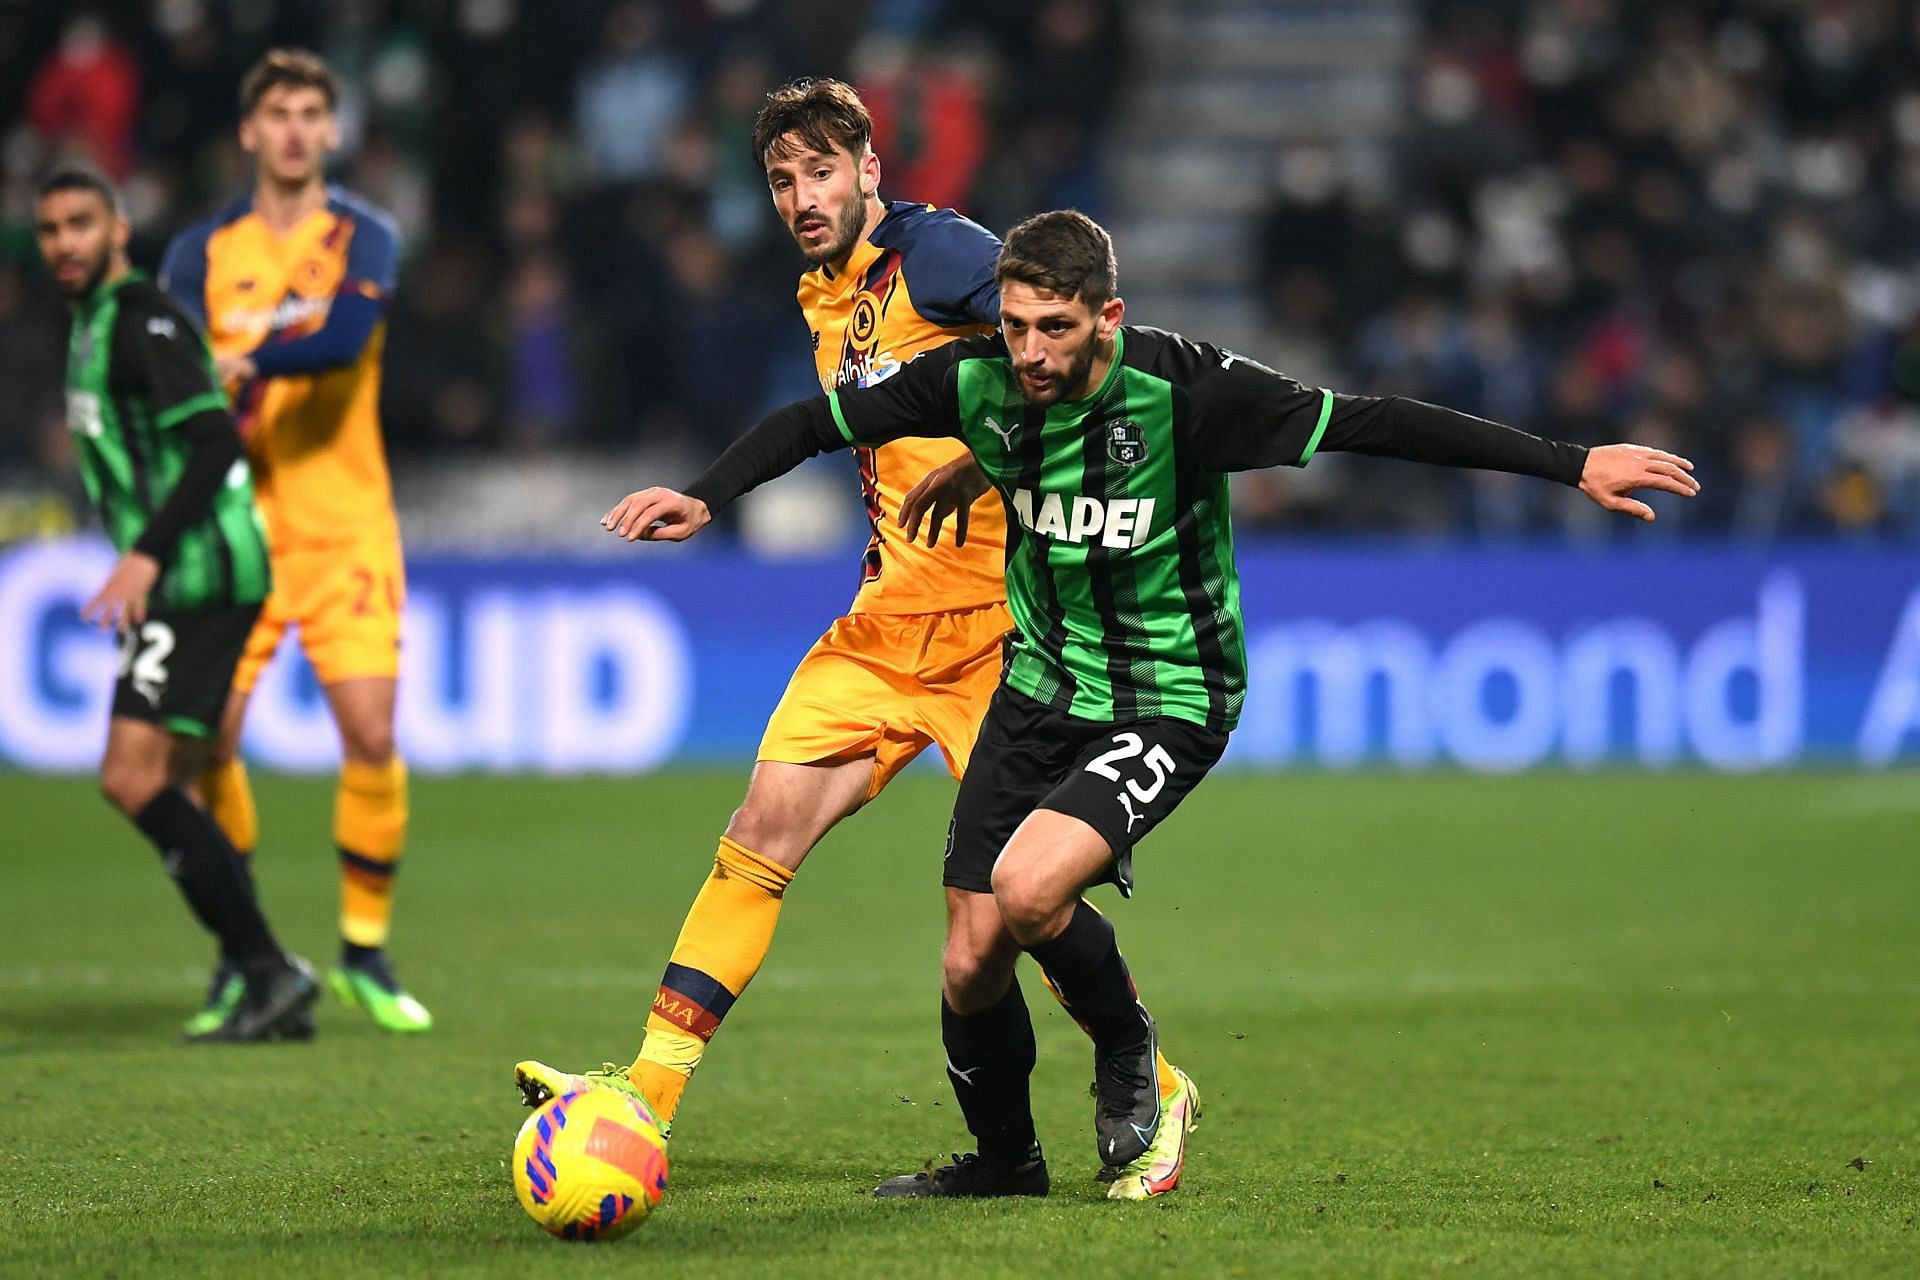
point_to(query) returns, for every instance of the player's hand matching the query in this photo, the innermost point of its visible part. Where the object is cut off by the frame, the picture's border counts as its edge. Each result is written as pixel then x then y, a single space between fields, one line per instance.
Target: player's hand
pixel 656 515
pixel 234 370
pixel 122 600
pixel 1615 470
pixel 947 490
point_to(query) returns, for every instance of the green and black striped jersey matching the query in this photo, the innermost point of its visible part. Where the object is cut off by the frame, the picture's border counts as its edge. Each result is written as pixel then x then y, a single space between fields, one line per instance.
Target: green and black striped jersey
pixel 1120 571
pixel 1121 578
pixel 137 370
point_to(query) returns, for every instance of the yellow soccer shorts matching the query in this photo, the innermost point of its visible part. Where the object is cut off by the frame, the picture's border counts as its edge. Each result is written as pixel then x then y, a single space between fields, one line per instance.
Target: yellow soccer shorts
pixel 890 685
pixel 346 600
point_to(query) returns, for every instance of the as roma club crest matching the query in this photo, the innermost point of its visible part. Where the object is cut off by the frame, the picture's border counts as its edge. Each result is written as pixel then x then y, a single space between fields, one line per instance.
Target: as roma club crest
pixel 866 320
pixel 1125 444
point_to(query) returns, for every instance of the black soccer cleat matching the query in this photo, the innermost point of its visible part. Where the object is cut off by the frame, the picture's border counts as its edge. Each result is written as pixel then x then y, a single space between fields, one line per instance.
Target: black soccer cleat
pixel 277 1005
pixel 970 1177
pixel 1126 1087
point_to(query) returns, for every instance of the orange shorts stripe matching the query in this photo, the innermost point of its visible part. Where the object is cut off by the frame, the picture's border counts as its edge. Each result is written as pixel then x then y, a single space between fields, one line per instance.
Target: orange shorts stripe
pixel 346 601
pixel 890 685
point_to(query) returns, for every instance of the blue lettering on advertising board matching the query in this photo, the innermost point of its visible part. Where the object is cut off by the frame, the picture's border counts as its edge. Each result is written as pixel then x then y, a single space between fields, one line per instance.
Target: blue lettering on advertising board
pixel 1490 660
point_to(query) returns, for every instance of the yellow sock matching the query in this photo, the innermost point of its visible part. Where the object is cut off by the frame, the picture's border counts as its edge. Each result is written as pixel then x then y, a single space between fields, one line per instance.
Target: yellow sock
pixel 1162 1067
pixel 721 945
pixel 230 801
pixel 370 828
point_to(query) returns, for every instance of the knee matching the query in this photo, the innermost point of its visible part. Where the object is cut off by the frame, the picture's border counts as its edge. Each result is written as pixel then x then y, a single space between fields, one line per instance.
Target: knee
pixel 368 743
pixel 221 752
pixel 1030 907
pixel 782 834
pixel 761 828
pixel 972 980
pixel 129 788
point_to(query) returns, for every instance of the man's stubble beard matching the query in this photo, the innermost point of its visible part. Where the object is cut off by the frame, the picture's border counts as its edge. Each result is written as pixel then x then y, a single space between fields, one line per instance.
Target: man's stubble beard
pixel 1058 388
pixel 94 275
pixel 852 220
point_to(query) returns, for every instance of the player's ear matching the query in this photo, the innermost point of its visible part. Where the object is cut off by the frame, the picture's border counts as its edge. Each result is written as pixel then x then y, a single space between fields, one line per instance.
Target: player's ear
pixel 1112 312
pixel 249 138
pixel 122 232
pixel 869 174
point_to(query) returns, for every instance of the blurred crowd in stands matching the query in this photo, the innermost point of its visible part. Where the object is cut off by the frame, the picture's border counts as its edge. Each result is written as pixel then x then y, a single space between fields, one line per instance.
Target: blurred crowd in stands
pixel 591 259
pixel 1693 223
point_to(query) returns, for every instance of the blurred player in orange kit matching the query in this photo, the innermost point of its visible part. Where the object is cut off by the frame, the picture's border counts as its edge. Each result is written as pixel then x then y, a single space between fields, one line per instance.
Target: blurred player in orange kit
pixel 292 282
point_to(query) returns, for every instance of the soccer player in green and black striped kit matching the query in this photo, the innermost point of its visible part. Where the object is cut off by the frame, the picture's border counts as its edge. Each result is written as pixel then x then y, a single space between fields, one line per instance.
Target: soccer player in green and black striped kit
pixel 162 463
pixel 1127 668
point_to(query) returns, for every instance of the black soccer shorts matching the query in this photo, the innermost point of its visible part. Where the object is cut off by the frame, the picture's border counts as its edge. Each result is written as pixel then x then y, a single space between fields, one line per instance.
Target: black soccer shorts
pixel 1122 778
pixel 177 666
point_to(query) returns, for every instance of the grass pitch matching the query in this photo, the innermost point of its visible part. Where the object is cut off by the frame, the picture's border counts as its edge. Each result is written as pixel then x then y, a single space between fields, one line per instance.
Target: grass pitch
pixel 1546 1026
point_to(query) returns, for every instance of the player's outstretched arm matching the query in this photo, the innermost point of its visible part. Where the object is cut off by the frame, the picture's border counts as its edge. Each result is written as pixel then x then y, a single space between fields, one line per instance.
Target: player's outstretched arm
pixel 907 404
pixel 1614 471
pixel 656 515
pixel 1249 416
pixel 949 490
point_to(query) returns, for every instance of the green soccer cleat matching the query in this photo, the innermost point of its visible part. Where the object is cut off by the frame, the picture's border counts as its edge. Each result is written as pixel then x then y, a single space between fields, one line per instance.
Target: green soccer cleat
pixel 276 1003
pixel 370 985
pixel 224 990
pixel 1158 1170
pixel 540 1084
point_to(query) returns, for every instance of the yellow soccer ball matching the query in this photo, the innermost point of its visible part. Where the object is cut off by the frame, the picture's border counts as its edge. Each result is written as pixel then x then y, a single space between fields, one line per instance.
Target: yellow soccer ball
pixel 590 1165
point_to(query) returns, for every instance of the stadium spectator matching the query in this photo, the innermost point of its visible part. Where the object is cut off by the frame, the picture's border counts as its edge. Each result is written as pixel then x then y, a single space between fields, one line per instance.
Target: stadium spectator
pixel 86 96
pixel 632 91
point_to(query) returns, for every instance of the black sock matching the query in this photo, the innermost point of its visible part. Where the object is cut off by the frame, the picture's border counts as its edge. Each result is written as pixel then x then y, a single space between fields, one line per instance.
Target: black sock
pixel 990 1057
pixel 1085 964
pixel 202 862
pixel 244 863
pixel 352 953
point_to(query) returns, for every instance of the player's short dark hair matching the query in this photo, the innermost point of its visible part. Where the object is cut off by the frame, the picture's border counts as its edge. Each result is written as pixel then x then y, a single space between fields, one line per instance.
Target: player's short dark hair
pixel 1063 252
pixel 294 68
pixel 822 114
pixel 81 180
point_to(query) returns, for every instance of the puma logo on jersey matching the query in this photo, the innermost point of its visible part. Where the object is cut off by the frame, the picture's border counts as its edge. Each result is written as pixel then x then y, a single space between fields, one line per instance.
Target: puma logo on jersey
pixel 1005 433
pixel 1133 816
pixel 1120 523
pixel 1227 358
pixel 161 327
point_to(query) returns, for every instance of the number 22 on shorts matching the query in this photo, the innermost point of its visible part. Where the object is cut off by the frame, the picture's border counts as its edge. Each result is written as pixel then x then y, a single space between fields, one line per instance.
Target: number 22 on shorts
pixel 143 655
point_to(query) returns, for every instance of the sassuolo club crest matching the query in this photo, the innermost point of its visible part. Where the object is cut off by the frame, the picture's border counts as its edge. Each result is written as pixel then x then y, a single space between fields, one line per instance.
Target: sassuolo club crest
pixel 1125 443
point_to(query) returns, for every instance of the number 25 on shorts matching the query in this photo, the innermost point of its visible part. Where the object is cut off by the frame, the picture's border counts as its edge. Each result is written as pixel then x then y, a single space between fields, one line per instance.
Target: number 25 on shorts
pixel 1130 746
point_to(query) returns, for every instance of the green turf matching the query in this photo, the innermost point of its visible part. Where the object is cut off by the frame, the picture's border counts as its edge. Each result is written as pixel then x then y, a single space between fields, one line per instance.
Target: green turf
pixel 1549 1026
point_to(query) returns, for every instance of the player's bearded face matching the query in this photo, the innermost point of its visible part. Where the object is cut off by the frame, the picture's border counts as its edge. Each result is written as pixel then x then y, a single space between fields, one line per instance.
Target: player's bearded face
pixel 819 197
pixel 77 236
pixel 1045 384
pixel 1053 342
pixel 847 225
